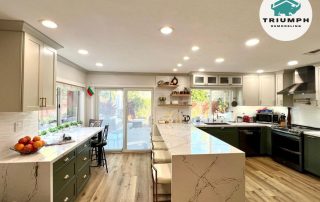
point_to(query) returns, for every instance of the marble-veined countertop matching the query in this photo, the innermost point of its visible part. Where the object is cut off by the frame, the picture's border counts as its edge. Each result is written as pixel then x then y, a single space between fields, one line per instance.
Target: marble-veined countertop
pixel 186 139
pixel 232 125
pixel 52 153
pixel 312 133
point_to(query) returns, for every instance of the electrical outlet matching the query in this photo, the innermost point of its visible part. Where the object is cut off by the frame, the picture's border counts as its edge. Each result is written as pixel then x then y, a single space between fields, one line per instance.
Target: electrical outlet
pixel 18 126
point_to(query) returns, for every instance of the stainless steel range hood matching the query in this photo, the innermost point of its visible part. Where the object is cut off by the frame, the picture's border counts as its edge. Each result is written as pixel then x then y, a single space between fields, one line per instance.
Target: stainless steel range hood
pixel 304 82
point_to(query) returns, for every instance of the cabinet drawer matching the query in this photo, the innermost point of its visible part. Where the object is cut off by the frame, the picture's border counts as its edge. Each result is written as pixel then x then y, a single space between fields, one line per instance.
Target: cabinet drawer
pixel 68 193
pixel 63 161
pixel 82 159
pixel 63 176
pixel 85 145
pixel 83 177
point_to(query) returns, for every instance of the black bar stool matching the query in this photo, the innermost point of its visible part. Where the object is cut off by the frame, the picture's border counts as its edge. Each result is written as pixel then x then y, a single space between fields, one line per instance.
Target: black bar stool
pixel 97 149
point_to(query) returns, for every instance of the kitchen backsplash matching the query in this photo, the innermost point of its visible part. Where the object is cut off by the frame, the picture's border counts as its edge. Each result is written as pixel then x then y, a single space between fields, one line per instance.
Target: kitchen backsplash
pixel 301 114
pixel 8 137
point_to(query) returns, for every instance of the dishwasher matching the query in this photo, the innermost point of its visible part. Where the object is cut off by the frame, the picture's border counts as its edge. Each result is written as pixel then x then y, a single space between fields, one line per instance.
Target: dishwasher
pixel 249 140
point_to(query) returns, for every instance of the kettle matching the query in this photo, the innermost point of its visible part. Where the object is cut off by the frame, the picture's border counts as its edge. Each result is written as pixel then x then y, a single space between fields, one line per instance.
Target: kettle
pixel 186 118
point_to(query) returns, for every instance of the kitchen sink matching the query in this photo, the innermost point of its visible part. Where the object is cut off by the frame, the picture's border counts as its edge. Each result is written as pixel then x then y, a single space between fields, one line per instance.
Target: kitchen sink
pixel 217 124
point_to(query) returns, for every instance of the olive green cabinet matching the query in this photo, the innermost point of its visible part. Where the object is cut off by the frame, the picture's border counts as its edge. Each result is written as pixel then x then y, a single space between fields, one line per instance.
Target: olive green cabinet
pixel 71 173
pixel 311 154
pixel 228 134
pixel 266 141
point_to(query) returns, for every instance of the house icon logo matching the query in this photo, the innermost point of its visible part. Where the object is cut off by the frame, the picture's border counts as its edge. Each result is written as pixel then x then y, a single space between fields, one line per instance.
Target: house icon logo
pixel 285 20
pixel 285 7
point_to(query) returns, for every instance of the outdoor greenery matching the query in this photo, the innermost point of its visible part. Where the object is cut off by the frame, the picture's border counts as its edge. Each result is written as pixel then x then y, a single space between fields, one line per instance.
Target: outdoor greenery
pixel 139 104
pixel 200 103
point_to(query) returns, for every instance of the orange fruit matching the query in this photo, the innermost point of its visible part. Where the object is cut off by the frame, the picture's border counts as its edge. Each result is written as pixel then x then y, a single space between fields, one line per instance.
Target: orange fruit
pixel 36 138
pixel 19 147
pixel 37 144
pixel 27 149
pixel 43 142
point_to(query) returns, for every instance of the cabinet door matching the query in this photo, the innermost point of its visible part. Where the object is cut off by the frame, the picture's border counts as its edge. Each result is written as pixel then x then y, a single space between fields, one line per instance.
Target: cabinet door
pixel 212 80
pixel 31 70
pixel 279 87
pixel 199 80
pixel 251 90
pixel 236 80
pixel 267 90
pixel 48 77
pixel 311 154
pixel 224 80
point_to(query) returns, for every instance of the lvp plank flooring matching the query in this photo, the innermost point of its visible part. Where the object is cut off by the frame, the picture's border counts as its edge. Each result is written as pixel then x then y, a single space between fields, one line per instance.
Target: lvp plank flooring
pixel 129 180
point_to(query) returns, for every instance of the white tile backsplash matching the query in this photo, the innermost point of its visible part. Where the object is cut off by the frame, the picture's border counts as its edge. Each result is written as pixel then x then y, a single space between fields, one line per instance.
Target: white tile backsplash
pixel 8 137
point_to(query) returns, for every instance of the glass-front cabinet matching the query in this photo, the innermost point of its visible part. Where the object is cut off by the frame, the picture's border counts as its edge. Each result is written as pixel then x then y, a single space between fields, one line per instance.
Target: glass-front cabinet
pixel 216 80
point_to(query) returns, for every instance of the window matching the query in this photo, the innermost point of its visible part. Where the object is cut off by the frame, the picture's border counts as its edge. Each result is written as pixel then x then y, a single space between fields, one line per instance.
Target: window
pixel 209 104
pixel 70 107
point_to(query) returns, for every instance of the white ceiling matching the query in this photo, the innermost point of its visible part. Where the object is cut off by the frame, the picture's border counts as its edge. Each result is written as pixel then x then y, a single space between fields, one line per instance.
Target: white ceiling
pixel 124 34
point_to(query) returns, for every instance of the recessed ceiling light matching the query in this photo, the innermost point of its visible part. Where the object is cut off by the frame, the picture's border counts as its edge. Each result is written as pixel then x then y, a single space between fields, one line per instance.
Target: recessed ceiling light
pixel 83 52
pixel 175 69
pixel 201 70
pixel 166 30
pixel 252 42
pixel 99 64
pixel 293 62
pixel 186 58
pixel 195 48
pixel 219 60
pixel 179 65
pixel 260 71
pixel 49 24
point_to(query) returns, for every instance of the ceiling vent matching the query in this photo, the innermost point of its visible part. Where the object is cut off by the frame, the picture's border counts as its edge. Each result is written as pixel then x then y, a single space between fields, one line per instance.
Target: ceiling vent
pixel 314 52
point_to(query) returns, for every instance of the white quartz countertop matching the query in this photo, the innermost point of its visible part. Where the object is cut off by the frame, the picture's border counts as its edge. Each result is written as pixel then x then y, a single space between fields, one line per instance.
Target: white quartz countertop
pixel 312 133
pixel 52 153
pixel 186 139
pixel 231 125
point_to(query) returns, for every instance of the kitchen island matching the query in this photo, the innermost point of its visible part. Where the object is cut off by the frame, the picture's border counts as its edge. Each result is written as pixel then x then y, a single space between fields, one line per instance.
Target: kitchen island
pixel 55 173
pixel 204 168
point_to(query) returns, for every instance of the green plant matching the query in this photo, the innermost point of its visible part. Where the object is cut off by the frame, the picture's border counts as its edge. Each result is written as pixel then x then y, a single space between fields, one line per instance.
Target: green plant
pixel 80 122
pixel 43 133
pixel 60 127
pixel 66 125
pixel 53 130
pixel 73 123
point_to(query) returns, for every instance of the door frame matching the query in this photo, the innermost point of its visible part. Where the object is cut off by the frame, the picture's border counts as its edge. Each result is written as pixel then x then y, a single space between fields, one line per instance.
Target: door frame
pixel 125 112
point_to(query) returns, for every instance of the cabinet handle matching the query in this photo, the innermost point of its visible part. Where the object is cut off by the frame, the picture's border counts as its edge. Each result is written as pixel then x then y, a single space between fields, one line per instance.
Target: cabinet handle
pixel 66 177
pixel 66 199
pixel 85 158
pixel 84 177
pixel 66 159
pixel 41 102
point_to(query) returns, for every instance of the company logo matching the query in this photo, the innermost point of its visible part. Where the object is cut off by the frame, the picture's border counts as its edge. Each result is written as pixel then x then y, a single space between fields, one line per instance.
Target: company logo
pixel 286 20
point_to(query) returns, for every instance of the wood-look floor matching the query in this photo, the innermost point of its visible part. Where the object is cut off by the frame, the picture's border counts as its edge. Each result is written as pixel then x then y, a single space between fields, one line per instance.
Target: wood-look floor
pixel 129 179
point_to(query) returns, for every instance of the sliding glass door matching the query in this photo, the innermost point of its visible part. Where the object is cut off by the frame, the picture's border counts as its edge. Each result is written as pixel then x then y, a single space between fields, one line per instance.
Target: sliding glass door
pixel 110 110
pixel 129 115
pixel 139 119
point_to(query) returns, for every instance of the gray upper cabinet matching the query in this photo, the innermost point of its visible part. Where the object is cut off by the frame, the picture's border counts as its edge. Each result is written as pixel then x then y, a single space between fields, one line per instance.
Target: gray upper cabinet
pixel 27 71
pixel 199 80
pixel 251 90
pixel 212 80
pixel 267 91
pixel 224 80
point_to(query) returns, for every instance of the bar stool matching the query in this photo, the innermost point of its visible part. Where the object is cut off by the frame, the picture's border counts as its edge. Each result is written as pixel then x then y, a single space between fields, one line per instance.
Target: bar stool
pixel 161 178
pixel 159 146
pixel 157 138
pixel 160 156
pixel 97 149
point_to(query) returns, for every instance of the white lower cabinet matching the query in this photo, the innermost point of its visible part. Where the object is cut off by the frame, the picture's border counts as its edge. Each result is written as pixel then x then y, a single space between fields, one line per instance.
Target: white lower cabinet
pixel 259 90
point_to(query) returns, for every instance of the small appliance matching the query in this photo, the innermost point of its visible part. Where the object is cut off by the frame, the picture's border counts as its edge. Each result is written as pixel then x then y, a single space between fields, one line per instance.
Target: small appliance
pixel 267 118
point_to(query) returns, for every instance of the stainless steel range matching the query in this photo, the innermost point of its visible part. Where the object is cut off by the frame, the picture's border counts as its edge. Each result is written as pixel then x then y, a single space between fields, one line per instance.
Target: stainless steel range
pixel 287 146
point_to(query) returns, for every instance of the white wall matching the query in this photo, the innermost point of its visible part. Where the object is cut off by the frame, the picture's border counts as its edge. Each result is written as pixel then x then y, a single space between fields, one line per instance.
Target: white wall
pixel 70 75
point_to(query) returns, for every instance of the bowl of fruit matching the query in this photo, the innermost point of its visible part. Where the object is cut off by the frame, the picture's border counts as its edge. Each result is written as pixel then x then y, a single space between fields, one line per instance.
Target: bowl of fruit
pixel 26 145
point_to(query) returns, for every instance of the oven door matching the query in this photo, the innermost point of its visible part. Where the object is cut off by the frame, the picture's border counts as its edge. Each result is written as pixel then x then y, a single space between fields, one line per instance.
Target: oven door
pixel 287 149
